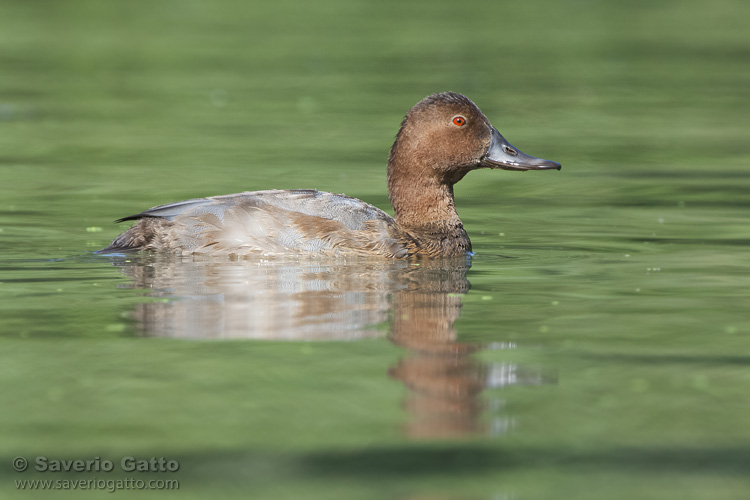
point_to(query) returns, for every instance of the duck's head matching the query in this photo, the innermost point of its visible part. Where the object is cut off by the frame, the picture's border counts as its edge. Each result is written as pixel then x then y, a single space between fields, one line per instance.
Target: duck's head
pixel 445 135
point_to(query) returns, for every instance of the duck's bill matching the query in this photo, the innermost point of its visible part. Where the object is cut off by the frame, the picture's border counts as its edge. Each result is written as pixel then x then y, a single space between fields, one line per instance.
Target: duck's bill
pixel 502 154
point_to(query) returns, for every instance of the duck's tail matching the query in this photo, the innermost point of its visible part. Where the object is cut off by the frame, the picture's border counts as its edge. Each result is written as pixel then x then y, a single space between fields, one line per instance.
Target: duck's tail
pixel 144 235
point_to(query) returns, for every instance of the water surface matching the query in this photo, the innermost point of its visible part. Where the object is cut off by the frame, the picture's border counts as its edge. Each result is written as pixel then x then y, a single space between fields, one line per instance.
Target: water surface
pixel 596 346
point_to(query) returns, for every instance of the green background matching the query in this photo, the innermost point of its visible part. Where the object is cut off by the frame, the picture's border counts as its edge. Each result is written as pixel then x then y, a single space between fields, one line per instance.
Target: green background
pixel 628 281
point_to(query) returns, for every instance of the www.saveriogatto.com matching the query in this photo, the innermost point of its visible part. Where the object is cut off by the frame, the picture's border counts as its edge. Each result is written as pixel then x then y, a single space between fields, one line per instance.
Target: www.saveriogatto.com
pixel 128 464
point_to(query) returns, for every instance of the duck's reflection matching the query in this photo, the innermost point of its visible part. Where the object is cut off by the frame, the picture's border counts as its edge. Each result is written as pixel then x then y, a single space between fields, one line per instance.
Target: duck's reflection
pixel 414 304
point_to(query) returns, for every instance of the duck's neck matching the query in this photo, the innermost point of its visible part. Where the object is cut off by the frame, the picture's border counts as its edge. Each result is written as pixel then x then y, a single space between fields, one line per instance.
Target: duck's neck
pixel 421 200
pixel 425 208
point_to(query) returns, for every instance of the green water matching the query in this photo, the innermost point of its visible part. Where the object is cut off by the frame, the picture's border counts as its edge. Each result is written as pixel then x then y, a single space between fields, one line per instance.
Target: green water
pixel 596 347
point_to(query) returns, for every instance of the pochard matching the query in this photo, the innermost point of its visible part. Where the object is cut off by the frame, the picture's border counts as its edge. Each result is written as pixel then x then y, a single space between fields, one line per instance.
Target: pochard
pixel 441 139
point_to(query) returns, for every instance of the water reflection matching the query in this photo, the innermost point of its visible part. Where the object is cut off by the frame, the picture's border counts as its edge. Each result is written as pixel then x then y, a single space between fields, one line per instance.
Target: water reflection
pixel 414 304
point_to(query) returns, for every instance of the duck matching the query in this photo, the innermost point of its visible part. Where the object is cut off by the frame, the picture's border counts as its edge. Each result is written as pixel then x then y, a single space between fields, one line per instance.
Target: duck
pixel 441 139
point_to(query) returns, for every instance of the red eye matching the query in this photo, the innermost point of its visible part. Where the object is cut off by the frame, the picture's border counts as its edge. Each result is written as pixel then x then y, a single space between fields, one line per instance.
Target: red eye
pixel 459 121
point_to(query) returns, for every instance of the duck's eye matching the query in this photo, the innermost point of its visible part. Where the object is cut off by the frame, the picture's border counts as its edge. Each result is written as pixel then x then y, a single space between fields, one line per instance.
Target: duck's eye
pixel 459 121
pixel 510 151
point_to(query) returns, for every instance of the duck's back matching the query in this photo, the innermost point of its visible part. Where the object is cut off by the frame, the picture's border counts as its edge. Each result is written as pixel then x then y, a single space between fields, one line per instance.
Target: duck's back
pixel 265 222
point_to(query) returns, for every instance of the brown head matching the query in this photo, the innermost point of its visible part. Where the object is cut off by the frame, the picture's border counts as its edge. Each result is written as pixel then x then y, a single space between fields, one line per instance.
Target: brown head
pixel 441 139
